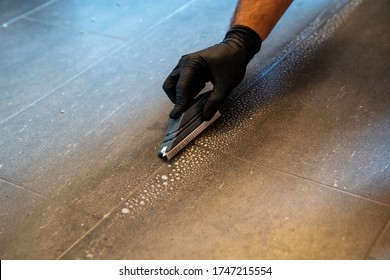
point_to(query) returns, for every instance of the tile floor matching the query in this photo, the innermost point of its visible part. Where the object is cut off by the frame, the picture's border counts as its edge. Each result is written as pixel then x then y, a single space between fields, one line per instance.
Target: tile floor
pixel 298 167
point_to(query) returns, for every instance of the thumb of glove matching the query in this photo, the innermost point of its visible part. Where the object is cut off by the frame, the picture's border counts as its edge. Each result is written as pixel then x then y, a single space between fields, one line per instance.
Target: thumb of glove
pixel 177 111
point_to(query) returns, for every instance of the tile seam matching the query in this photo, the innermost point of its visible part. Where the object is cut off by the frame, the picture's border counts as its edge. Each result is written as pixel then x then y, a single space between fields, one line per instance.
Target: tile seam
pixel 72 28
pixel 29 12
pixel 109 213
pixel 385 226
pixel 300 177
pixel 24 189
pixel 100 221
pixel 321 184
pixel 48 198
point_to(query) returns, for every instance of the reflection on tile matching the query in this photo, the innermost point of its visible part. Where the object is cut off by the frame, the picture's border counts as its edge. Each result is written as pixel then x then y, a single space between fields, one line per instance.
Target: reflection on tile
pixel 36 59
pixel 122 19
pixel 244 212
pixel 9 9
pixel 34 227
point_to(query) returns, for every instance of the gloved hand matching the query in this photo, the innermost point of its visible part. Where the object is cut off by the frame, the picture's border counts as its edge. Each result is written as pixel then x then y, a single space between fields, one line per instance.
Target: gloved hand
pixel 224 65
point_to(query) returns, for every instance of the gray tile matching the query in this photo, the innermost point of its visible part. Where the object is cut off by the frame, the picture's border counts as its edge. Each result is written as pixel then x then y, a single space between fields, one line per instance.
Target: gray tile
pixel 34 227
pixel 37 58
pixel 381 248
pixel 312 117
pixel 10 9
pixel 122 19
pixel 95 138
pixel 206 205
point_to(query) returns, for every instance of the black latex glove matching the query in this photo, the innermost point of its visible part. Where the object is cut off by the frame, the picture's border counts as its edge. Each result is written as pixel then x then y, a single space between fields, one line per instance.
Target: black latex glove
pixel 223 65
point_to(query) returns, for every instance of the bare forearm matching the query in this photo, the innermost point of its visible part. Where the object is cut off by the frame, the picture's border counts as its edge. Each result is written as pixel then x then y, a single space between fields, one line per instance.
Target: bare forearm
pixel 260 15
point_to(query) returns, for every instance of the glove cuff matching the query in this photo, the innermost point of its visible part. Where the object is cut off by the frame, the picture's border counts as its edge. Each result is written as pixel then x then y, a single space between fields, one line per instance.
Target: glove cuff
pixel 245 36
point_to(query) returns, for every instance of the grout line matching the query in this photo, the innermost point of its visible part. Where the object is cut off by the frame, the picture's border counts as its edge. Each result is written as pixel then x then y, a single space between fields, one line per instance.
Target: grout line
pixel 74 207
pixel 386 225
pixel 107 215
pixel 303 178
pixel 82 237
pixel 178 10
pixel 36 9
pixel 23 188
pixel 169 16
pixel 69 205
pixel 72 28
pixel 55 89
pixel 316 182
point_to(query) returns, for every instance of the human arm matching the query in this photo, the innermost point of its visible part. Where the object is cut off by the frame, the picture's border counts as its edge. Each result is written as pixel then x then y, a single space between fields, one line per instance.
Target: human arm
pixel 260 15
pixel 223 64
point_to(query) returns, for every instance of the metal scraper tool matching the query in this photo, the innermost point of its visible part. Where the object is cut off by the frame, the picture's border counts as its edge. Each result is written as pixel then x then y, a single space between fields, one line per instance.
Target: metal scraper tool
pixel 184 129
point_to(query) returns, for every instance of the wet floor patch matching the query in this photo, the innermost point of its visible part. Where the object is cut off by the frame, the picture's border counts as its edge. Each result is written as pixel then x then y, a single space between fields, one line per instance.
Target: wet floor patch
pixel 239 118
pixel 238 121
pixel 173 177
pixel 233 209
